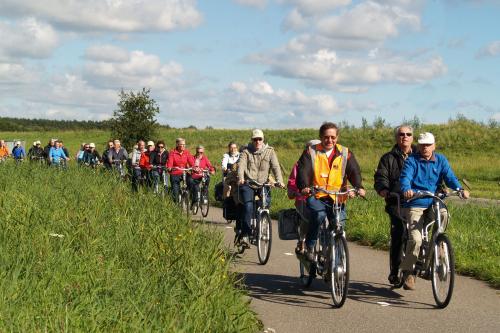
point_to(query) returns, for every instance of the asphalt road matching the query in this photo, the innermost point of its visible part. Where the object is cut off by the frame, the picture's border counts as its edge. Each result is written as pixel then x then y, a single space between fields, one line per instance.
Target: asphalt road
pixel 372 306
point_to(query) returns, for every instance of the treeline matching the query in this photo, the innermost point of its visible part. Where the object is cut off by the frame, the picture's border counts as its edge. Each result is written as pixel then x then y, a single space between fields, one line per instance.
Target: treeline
pixel 36 125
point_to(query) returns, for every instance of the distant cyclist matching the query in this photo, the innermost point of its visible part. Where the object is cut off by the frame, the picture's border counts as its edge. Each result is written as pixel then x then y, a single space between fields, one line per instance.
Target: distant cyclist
pixel 179 157
pixel 256 162
pixel 117 155
pixel 57 155
pixel 328 165
pixel 231 157
pixel 4 150
pixel 36 152
pixel 201 163
pixel 18 152
pixel 46 150
pixel 64 148
pixel 158 158
pixel 423 171
pixel 145 162
pixel 79 154
pixel 105 155
pixel 137 172
pixel 90 155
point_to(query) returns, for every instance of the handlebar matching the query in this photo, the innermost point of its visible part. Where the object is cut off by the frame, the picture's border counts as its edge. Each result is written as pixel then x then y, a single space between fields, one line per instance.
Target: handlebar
pixel 439 196
pixel 257 184
pixel 323 190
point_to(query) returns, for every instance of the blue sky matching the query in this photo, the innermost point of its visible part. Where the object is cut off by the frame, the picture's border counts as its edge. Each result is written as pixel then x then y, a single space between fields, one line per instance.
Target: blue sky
pixel 253 63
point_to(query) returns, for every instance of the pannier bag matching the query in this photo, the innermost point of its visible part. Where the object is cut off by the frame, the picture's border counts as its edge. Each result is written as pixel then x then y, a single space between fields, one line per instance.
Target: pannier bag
pixel 288 224
pixel 219 190
pixel 229 209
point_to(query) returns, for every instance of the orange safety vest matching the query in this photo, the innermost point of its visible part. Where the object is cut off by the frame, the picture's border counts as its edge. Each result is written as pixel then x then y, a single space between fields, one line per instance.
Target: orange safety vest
pixel 329 178
pixel 4 151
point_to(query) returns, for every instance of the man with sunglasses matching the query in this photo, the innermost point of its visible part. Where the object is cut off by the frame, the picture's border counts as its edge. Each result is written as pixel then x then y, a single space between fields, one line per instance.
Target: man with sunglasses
pixel 328 165
pixel 36 152
pixel 386 181
pixel 158 159
pixel 256 162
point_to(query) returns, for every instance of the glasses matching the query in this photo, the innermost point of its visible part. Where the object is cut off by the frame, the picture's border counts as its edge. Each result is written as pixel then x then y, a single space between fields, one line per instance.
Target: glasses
pixel 405 134
pixel 330 137
pixel 257 139
pixel 160 146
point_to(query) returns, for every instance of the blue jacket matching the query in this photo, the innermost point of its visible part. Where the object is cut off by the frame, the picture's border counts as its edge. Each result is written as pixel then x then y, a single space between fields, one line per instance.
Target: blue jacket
pixel 420 174
pixel 18 152
pixel 56 154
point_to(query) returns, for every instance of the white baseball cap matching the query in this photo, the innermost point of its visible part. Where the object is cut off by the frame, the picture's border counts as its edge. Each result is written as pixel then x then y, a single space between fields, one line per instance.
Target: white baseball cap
pixel 151 143
pixel 426 139
pixel 257 133
pixel 92 145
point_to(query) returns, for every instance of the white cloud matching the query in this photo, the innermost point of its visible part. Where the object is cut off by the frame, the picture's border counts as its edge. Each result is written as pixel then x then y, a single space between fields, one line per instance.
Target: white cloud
pixel 109 15
pixel 325 68
pixel 107 53
pixel 294 21
pixel 252 3
pixel 27 38
pixel 314 7
pixel 369 21
pixel 490 50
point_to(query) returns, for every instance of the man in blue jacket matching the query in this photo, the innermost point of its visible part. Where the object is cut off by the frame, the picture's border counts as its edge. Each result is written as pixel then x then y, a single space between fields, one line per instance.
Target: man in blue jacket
pixel 422 171
pixel 18 151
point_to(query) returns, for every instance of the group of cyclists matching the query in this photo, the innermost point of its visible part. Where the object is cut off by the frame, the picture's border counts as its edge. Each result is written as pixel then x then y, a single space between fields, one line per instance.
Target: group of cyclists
pixel 324 163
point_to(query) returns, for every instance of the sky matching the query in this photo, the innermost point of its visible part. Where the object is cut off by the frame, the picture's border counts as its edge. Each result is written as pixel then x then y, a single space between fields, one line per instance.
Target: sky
pixel 253 63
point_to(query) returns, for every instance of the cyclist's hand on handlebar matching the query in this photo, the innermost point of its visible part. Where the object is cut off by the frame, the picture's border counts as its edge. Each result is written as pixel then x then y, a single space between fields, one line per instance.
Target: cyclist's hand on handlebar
pixel 408 194
pixel 361 193
pixel 306 190
pixel 465 194
pixel 384 193
pixel 241 181
pixel 280 185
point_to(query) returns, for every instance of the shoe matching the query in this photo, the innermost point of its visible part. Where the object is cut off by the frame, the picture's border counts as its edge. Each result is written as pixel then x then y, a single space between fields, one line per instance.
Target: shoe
pixel 409 282
pixel 299 249
pixel 393 279
pixel 245 242
pixel 310 254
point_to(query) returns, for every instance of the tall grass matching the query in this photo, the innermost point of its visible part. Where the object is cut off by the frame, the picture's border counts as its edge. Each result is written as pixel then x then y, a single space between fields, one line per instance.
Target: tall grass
pixel 79 252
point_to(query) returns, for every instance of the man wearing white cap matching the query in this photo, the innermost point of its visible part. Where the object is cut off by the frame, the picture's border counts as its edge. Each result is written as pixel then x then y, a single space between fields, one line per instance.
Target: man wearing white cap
pixel 256 162
pixel 18 152
pixel 36 152
pixel 422 171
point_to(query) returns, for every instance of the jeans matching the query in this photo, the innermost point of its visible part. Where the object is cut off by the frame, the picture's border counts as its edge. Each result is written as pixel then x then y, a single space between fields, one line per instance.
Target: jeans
pixel 195 186
pixel 246 196
pixel 156 175
pixel 396 242
pixel 319 211
pixel 175 181
pixel 136 175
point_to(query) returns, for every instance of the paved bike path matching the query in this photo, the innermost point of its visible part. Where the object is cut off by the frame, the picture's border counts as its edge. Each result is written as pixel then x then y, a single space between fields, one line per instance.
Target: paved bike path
pixel 372 306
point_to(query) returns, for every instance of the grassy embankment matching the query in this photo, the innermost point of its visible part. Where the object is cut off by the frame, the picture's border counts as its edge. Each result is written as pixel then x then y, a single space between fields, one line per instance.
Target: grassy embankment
pixel 80 253
pixel 471 148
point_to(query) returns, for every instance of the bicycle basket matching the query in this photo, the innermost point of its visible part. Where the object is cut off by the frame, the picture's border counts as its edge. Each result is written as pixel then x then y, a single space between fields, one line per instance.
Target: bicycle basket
pixel 288 224
pixel 219 191
pixel 230 209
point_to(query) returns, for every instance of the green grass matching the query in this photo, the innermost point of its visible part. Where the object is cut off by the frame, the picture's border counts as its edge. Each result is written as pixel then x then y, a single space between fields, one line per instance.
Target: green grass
pixel 122 262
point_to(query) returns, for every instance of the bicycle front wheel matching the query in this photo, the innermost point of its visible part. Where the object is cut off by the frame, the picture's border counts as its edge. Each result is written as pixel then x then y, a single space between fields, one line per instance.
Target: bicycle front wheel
pixel 185 203
pixel 339 270
pixel 204 202
pixel 443 271
pixel 264 238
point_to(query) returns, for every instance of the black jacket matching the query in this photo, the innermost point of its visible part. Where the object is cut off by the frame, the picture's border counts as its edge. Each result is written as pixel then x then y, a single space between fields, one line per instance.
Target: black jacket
pixel 387 174
pixel 305 172
pixel 156 159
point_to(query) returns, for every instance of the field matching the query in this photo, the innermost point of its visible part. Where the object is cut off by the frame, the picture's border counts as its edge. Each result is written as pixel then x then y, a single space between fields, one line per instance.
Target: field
pixel 80 253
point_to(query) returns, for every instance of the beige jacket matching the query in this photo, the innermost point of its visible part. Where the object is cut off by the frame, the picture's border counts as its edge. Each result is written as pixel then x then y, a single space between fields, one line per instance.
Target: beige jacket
pixel 257 165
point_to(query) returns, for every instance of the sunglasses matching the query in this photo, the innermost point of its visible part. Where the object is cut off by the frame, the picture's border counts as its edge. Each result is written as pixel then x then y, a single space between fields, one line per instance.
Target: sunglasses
pixel 257 139
pixel 161 146
pixel 405 134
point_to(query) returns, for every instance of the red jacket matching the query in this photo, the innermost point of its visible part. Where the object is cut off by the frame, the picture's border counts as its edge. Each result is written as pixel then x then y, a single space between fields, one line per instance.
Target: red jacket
pixel 202 163
pixel 144 161
pixel 178 160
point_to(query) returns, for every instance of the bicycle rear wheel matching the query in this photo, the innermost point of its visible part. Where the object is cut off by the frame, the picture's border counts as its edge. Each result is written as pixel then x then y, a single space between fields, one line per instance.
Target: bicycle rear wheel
pixel 264 238
pixel 194 207
pixel 338 270
pixel 204 202
pixel 443 271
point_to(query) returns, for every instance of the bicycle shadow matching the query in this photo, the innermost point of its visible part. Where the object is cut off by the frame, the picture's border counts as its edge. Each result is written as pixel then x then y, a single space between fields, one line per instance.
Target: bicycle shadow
pixel 288 290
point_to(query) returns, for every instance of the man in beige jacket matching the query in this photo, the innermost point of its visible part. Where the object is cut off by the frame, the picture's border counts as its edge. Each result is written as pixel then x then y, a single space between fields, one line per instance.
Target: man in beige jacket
pixel 256 162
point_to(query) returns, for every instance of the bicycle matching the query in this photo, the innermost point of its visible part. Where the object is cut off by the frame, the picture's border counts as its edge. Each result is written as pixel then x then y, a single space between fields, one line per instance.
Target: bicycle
pixel 119 166
pixel 331 252
pixel 183 198
pixel 162 171
pixel 202 196
pixel 436 260
pixel 37 160
pixel 261 226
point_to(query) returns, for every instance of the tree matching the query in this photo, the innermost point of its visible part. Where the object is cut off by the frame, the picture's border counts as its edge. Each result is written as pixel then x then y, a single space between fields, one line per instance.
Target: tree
pixel 379 122
pixel 135 118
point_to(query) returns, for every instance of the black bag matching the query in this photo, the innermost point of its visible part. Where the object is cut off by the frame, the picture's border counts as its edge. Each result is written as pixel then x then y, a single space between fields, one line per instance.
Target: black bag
pixel 230 209
pixel 288 224
pixel 219 191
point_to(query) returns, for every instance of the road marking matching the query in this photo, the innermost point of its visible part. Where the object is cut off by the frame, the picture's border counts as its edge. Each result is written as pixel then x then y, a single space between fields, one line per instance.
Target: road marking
pixel 229 227
pixel 269 330
pixel 383 304
pixel 288 254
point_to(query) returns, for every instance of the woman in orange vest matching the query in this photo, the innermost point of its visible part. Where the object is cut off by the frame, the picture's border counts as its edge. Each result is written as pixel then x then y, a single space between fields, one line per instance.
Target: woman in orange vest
pixel 328 165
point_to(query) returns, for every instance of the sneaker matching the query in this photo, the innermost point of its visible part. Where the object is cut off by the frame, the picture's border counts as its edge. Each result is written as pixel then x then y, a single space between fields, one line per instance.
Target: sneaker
pixel 310 254
pixel 245 242
pixel 393 279
pixel 409 282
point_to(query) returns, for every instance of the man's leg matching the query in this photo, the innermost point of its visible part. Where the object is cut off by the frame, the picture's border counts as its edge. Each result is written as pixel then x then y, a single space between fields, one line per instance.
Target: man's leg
pixel 246 198
pixel 318 215
pixel 415 220
pixel 396 243
pixel 156 178
pixel 175 181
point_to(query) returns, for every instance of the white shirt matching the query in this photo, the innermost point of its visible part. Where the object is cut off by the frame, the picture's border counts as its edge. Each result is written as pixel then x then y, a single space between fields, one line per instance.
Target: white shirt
pixel 229 159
